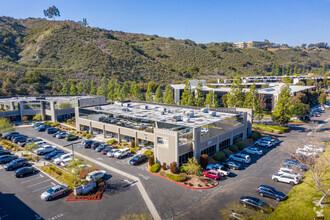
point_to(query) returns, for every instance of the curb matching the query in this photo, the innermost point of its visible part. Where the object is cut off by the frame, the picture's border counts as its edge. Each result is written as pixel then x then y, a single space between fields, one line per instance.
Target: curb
pixel 190 187
pixel 266 132
pixel 48 175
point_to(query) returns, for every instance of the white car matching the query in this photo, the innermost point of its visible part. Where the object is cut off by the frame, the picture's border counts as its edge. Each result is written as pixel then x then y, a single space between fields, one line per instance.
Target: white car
pixel 98 174
pixel 67 161
pixel 288 172
pixel 54 192
pixel 45 149
pixel 313 148
pixel 253 150
pixel 265 143
pixel 112 152
pixel 242 158
pixel 122 153
pixel 273 140
pixel 57 161
pixel 306 152
pixel 285 179
pixel 223 171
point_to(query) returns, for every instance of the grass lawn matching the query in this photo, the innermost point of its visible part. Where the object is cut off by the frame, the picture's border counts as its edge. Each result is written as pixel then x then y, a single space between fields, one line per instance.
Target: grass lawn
pixel 299 204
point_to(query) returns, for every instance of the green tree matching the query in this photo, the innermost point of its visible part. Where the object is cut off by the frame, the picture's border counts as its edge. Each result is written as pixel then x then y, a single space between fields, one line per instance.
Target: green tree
pixel 286 80
pixel 300 83
pixel 136 91
pixel 52 12
pixel 8 85
pixel 80 88
pixel 5 126
pixel 103 89
pixel 191 100
pixel 149 93
pixel 125 90
pixel 322 98
pixel 211 100
pixel 93 88
pixel 168 96
pixel 111 89
pixel 159 95
pixel 295 70
pixel 65 89
pixel 199 95
pixel 300 109
pixel 235 98
pixel 73 88
pixel 252 101
pixel 192 167
pixel 185 94
pixel 281 113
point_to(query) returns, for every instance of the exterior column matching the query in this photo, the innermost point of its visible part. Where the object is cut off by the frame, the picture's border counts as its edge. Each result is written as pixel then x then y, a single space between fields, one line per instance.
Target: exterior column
pixel 119 136
pixel 42 110
pixel 52 112
pixel 104 133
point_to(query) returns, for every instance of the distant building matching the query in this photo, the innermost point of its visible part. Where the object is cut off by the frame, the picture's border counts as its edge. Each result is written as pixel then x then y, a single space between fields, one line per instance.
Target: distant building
pixel 252 44
pixel 53 108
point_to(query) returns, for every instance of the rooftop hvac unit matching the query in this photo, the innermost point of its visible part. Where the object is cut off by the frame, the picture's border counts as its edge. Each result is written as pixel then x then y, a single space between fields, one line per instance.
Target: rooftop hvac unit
pixel 126 104
pixel 205 110
pixel 162 113
pixel 186 119
pixel 177 117
pixel 144 107
pixel 191 114
pixel 125 109
pixel 213 114
pixel 162 109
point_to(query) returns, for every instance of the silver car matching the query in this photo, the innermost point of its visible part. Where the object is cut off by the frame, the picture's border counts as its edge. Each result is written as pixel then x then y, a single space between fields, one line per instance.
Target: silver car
pixel 54 192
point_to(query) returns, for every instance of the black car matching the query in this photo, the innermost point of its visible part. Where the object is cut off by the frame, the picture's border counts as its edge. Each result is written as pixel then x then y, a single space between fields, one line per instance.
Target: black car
pixel 232 165
pixel 95 144
pixel 24 171
pixel 21 162
pixel 8 136
pixel 138 159
pixel 52 130
pixel 271 192
pixel 56 133
pixel 7 158
pixel 42 128
pixel 52 154
pixel 4 152
pixel 14 136
pixel 20 139
pixel 87 143
pixel 255 203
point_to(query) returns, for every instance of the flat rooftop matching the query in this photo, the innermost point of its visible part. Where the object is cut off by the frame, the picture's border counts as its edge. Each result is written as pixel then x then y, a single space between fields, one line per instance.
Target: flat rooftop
pixel 42 98
pixel 163 113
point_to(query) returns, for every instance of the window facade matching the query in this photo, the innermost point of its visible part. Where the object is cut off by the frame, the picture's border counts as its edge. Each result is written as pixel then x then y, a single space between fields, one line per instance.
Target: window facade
pixel 224 144
pixel 210 150
pixel 184 158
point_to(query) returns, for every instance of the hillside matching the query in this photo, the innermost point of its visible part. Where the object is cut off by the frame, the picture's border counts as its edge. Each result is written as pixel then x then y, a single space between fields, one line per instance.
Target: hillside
pixel 63 50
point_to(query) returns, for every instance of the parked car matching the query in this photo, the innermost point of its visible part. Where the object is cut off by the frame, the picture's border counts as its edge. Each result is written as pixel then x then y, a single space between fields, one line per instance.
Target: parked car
pixel 52 130
pixel 4 152
pixel 100 147
pixel 12 137
pixel 1 147
pixel 56 133
pixel 271 192
pixel 232 165
pixel 140 158
pixel 45 149
pixel 71 137
pixel 255 203
pixel 36 124
pixel 95 144
pixel 224 171
pixel 99 174
pixel 261 143
pixel 58 160
pixel 285 179
pixel 213 174
pixel 8 136
pixel 239 157
pixel 57 156
pixel 313 148
pixel 307 153
pixel 87 143
pixel 42 128
pixel 54 191
pixel 112 152
pixel 273 140
pixel 24 171
pixel 20 138
pixel 296 164
pixel 52 154
pixel 61 135
pixel 122 153
pixel 253 150
pixel 7 158
pixel 288 172
pixel 106 150
pixel 17 163
pixel 67 161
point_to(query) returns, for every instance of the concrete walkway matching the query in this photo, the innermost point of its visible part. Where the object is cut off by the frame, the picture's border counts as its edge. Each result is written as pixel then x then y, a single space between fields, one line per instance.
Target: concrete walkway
pixel 138 183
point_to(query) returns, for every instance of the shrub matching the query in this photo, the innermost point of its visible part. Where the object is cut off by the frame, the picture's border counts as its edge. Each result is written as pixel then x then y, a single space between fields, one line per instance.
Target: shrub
pixel 162 173
pixel 227 152
pixel 133 144
pixel 254 135
pixel 220 156
pixel 174 167
pixel 88 136
pixel 240 145
pixel 154 168
pixel 164 166
pixel 29 158
pixel 133 149
pixel 178 178
pixel 112 141
pixel 270 128
pixel 84 134
pixel 151 160
pixel 233 148
pixel 148 153
pixel 37 117
pixel 47 122
pixel 204 160
pixel 54 124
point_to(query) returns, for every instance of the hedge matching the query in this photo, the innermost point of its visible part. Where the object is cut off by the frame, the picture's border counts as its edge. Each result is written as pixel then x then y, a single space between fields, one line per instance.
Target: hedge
pixel 112 141
pixel 133 149
pixel 154 168
pixel 220 156
pixel 240 145
pixel 254 135
pixel 233 148
pixel 178 178
pixel 54 124
pixel 270 128
pixel 88 136
pixel 148 153
pixel 63 176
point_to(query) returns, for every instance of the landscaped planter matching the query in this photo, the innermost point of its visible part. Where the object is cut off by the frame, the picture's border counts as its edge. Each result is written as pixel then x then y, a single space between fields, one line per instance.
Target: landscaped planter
pixel 94 195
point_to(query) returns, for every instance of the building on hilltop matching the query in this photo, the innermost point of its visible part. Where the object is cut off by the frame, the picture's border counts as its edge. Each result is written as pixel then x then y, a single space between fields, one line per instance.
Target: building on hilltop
pixel 176 133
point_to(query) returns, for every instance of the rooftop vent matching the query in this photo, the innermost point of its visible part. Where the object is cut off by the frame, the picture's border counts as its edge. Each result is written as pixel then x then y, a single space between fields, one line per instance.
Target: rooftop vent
pixel 144 107
pixel 205 110
pixel 213 114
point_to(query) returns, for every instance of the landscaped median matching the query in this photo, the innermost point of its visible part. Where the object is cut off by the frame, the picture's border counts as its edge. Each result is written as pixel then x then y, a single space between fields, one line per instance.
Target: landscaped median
pixel 270 128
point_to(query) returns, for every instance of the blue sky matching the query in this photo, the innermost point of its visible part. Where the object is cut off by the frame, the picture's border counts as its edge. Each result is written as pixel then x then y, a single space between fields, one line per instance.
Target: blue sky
pixel 282 21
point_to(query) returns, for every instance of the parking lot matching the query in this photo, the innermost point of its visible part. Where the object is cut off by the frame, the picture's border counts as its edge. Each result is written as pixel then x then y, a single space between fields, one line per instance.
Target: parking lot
pixel 172 200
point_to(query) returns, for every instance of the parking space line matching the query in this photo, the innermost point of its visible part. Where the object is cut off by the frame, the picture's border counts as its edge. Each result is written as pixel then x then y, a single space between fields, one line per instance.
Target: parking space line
pixel 53 183
pixel 32 179
pixel 42 188
pixel 38 183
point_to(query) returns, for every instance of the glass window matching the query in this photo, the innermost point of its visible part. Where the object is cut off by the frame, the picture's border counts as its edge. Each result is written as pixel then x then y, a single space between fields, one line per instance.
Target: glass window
pixel 184 158
pixel 210 150
pixel 224 144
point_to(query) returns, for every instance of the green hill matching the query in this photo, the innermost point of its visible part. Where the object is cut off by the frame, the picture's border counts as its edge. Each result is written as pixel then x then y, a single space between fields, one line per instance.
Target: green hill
pixel 57 51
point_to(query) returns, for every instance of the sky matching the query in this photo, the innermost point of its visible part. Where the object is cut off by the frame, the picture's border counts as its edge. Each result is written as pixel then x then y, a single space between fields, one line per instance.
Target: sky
pixel 293 22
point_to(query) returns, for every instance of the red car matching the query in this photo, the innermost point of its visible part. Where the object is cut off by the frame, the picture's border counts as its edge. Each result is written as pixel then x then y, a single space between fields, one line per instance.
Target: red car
pixel 213 174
